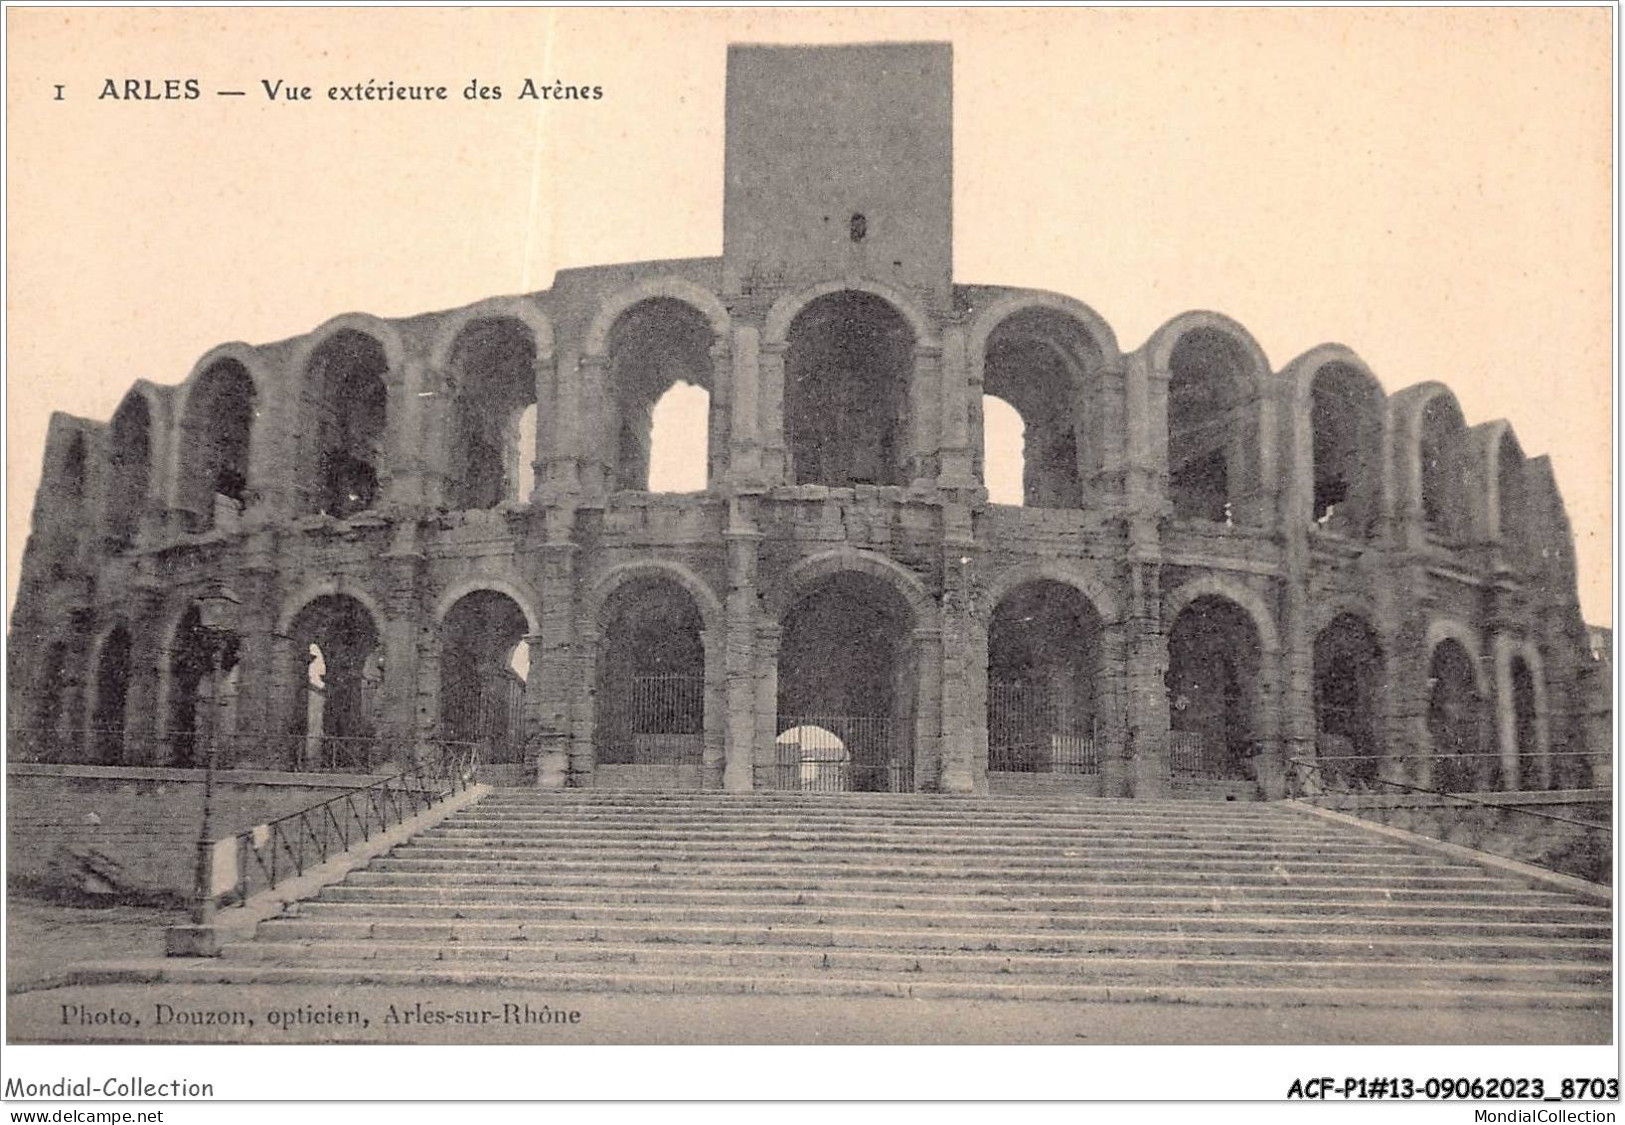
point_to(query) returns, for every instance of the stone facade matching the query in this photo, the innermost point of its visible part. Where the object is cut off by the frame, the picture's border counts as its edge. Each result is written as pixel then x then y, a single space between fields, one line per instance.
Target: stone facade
pixel 1219 565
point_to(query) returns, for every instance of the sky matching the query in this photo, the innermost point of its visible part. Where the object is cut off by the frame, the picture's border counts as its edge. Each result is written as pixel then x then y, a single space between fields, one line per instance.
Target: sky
pixel 1430 187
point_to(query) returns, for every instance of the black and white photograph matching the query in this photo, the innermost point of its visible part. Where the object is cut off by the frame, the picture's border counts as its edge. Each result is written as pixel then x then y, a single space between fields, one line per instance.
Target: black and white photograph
pixel 1081 528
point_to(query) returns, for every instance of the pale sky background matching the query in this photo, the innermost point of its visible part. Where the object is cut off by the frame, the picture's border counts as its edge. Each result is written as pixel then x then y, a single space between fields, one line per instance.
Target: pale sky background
pixel 1431 188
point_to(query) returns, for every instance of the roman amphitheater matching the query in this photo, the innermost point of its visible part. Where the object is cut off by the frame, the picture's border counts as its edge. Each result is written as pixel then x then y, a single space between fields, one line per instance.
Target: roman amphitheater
pixel 441 528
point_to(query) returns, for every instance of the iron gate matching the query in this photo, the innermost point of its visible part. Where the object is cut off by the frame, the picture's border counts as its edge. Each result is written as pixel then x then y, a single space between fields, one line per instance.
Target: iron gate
pixel 840 753
pixel 490 711
pixel 656 720
pixel 1026 733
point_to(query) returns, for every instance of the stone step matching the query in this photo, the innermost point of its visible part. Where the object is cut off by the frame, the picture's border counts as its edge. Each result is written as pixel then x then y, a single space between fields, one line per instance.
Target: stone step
pixel 662 915
pixel 1053 820
pixel 707 959
pixel 1032 940
pixel 557 836
pixel 436 893
pixel 506 797
pixel 1495 996
pixel 1054 874
pixel 1487 892
pixel 947 862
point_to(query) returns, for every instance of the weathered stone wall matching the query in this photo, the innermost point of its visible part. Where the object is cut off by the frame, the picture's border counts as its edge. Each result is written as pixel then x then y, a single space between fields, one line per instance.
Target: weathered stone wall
pixel 743 547
pixel 146 820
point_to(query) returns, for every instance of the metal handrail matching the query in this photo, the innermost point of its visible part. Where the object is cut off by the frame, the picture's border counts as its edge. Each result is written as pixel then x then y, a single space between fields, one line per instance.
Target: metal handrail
pixel 283 848
pixel 1311 765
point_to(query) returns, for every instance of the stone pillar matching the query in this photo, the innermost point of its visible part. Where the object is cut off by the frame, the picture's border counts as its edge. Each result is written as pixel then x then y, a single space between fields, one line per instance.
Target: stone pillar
pixel 273 448
pixel 552 669
pixel 768 637
pixel 1407 667
pixel 963 691
pixel 141 700
pixel 714 724
pixel 740 666
pixel 559 473
pixel 1146 662
pixel 1295 476
pixel 437 411
pixel 927 661
pixel 1296 702
pixel 406 627
pixel 582 693
pixel 1506 720
pixel 776 467
pixel 1114 715
pixel 719 426
pixel 744 442
pixel 595 424
pixel 1105 467
pixel 259 590
pixel 955 467
pixel 1146 438
pixel 404 461
pixel 925 415
pixel 1270 765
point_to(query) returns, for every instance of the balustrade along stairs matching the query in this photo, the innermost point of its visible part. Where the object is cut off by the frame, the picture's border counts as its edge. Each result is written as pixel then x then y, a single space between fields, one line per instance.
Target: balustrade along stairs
pixel 932 896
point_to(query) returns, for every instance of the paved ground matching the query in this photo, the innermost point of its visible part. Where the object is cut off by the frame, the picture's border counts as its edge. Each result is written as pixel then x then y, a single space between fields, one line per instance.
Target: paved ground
pixel 43 938
pixel 160 1013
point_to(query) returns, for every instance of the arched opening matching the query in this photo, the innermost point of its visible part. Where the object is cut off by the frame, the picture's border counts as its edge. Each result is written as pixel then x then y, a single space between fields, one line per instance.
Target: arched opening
pixel 1043 667
pixel 1039 361
pixel 1532 771
pixel 1513 503
pixel 482 675
pixel 51 739
pixel 129 472
pixel 215 437
pixel 1213 691
pixel 846 665
pixel 346 402
pixel 1346 418
pixel 1444 507
pixel 679 447
pixel 1348 678
pixel 1455 723
pixel 847 372
pixel 650 698
pixel 113 673
pixel 335 714
pixel 492 370
pixel 1213 432
pixel 653 346
pixel 194 715
pixel 1004 438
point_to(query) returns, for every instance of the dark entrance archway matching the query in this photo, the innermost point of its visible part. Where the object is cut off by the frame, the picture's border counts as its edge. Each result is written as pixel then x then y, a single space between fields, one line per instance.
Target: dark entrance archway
pixel 1455 723
pixel 846 391
pixel 346 403
pixel 649 729
pixel 483 675
pixel 215 437
pixel 113 673
pixel 1042 671
pixel 1348 673
pixel 846 667
pixel 1213 691
pixel 335 721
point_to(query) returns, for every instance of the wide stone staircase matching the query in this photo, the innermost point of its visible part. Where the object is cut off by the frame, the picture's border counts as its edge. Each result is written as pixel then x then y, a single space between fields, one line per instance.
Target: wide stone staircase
pixel 932 896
